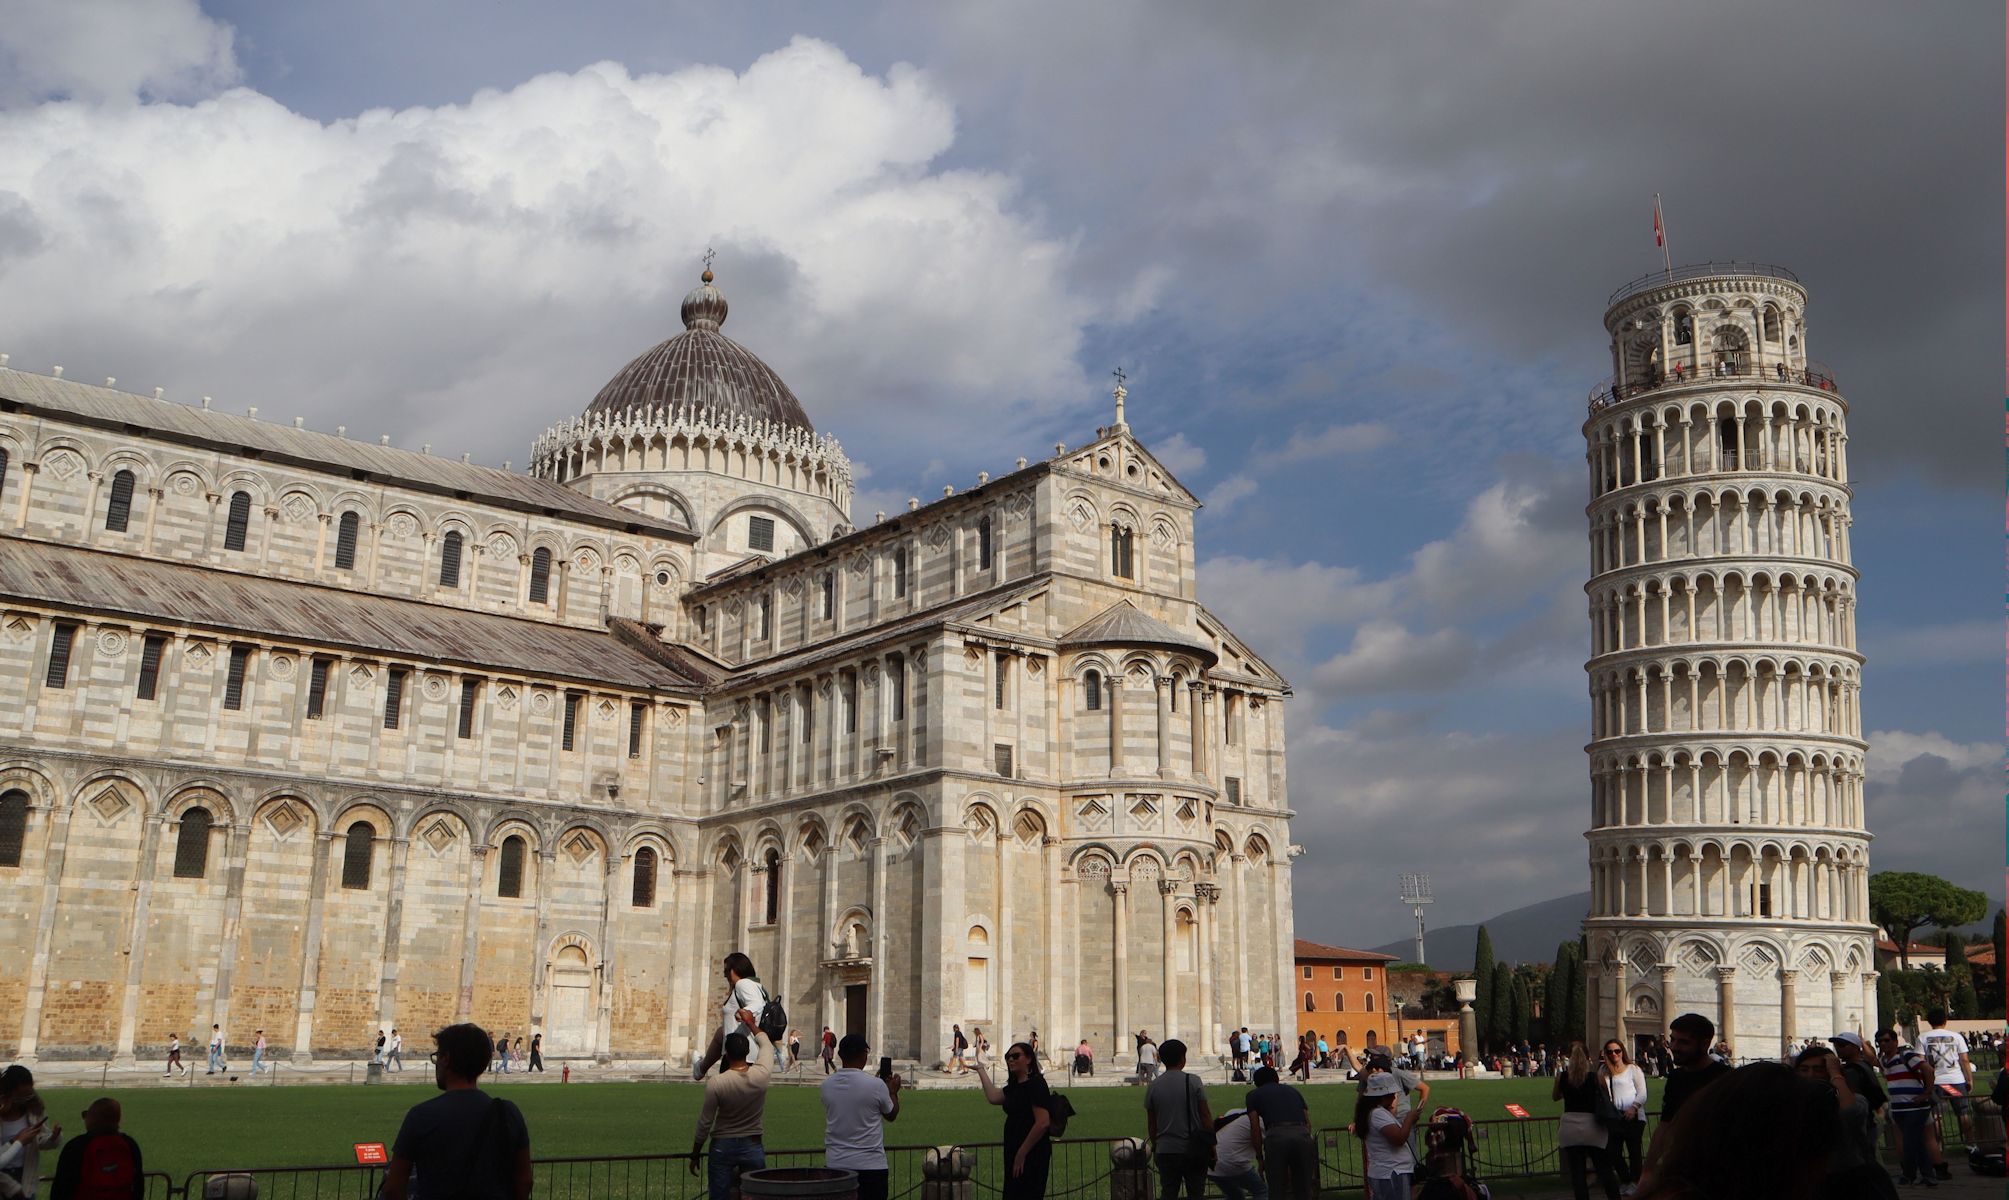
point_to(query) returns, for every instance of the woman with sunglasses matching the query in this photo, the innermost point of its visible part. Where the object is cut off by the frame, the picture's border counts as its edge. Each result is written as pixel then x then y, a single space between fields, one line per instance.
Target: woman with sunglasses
pixel 1028 1152
pixel 1628 1097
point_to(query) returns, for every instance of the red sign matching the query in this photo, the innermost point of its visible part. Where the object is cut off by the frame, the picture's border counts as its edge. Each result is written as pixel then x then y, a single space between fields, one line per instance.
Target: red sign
pixel 1515 1110
pixel 1951 1090
pixel 371 1154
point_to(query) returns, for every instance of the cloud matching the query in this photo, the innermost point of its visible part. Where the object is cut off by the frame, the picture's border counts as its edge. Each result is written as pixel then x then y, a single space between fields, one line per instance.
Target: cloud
pixel 1335 440
pixel 119 50
pixel 1279 603
pixel 1517 537
pixel 1893 752
pixel 1935 806
pixel 401 271
pixel 1179 455
pixel 1386 657
pixel 1225 494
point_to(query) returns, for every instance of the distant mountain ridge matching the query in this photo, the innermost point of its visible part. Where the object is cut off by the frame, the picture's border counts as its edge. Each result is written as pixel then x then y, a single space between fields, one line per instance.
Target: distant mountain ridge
pixel 1527 934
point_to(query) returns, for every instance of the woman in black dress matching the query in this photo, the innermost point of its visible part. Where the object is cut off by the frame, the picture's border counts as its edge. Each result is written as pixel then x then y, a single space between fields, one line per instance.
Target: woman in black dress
pixel 1027 1150
pixel 1583 1091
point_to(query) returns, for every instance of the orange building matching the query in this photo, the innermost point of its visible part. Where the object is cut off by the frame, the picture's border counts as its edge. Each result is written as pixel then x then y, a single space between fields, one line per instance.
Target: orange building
pixel 1342 995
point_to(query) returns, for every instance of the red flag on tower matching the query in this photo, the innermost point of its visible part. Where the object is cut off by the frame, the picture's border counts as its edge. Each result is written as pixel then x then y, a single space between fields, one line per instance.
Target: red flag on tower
pixel 1660 237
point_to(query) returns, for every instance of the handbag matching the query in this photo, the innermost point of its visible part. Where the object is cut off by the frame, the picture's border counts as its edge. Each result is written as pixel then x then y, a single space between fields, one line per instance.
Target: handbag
pixel 1203 1138
pixel 1580 1129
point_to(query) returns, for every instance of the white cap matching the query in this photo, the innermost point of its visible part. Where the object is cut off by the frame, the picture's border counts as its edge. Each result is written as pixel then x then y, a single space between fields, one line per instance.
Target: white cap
pixel 1381 1085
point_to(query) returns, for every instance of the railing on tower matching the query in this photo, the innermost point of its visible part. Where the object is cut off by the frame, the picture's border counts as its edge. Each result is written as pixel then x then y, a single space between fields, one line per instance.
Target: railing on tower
pixel 1610 390
pixel 1654 279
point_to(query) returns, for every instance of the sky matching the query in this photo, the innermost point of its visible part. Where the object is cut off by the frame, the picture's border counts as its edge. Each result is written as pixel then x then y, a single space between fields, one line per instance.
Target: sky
pixel 1353 257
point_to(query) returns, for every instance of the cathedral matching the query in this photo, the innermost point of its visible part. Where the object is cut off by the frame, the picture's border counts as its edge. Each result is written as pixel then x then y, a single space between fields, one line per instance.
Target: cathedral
pixel 320 736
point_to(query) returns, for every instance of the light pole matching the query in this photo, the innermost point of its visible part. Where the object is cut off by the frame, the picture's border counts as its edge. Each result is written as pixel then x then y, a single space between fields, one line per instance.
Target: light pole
pixel 1416 894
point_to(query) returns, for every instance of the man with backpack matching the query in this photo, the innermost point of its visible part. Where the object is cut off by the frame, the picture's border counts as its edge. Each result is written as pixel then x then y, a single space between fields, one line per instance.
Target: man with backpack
pixel 104 1164
pixel 463 1141
pixel 1179 1126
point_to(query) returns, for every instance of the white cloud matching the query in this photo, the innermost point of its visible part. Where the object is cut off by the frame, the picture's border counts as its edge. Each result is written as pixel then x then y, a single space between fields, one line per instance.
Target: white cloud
pixel 1892 751
pixel 1509 546
pixel 465 274
pixel 112 50
pixel 1179 455
pixel 1277 604
pixel 1335 440
pixel 1225 494
pixel 1386 657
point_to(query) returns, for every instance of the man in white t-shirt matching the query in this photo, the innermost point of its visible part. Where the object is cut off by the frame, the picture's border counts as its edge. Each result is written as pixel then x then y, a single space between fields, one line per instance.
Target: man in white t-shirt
pixel 743 994
pixel 1945 1051
pixel 1236 1154
pixel 856 1107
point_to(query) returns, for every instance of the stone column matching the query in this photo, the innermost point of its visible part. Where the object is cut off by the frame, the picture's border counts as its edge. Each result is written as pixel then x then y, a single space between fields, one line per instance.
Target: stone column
pixel 1838 1000
pixel 1164 690
pixel 236 842
pixel 470 932
pixel 540 972
pixel 1789 1000
pixel 1206 896
pixel 310 954
pixel 1120 903
pixel 1667 1012
pixel 1055 940
pixel 1726 1006
pixel 1467 991
pixel 1168 902
pixel 394 919
pixel 1115 690
pixel 604 971
pixel 1240 965
pixel 1002 942
pixel 1195 703
pixel 875 1016
pixel 135 937
pixel 45 924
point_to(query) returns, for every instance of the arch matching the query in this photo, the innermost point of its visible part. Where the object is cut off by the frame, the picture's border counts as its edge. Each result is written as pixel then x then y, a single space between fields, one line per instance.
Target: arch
pixel 509 866
pixel 451 552
pixel 851 934
pixel 764 504
pixel 237 522
pixel 642 892
pixel 540 575
pixel 680 508
pixel 119 503
pixel 347 532
pixel 358 854
pixel 191 842
pixel 13 825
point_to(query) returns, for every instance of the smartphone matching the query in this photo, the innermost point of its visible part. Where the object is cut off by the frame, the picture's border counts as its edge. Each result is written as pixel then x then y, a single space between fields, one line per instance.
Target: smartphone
pixel 885 1066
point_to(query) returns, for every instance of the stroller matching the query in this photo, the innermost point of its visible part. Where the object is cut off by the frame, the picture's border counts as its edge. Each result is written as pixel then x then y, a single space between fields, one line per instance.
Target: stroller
pixel 1450 1158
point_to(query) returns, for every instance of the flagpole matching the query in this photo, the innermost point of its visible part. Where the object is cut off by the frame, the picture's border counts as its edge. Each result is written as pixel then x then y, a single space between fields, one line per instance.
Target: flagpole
pixel 1660 227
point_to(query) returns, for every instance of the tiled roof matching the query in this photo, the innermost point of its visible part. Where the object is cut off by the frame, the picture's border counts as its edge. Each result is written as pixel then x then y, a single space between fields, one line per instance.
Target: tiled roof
pixel 1124 624
pixel 226 432
pixel 702 368
pixel 1316 950
pixel 117 585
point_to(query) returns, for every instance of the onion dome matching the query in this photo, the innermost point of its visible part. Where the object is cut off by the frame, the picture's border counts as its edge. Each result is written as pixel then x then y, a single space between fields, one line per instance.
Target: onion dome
pixel 702 368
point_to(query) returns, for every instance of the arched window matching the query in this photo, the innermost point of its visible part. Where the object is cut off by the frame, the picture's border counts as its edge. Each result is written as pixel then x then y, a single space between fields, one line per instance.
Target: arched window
pixel 1120 542
pixel 240 521
pixel 449 559
pixel 540 576
pixel 13 826
pixel 984 544
pixel 1339 1002
pixel 899 571
pixel 1310 1004
pixel 1370 1002
pixel 357 851
pixel 3 470
pixel 1091 691
pixel 773 887
pixel 120 510
pixel 1684 328
pixel 977 973
pixel 1177 685
pixel 509 871
pixel 345 540
pixel 191 845
pixel 1771 324
pixel 644 894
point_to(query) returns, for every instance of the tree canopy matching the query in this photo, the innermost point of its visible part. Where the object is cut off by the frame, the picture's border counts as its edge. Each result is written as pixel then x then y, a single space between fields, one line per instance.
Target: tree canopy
pixel 1905 901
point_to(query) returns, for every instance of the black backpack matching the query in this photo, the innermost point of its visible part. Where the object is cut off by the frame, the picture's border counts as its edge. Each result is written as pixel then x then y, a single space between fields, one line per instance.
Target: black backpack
pixel 1058 1109
pixel 773 1017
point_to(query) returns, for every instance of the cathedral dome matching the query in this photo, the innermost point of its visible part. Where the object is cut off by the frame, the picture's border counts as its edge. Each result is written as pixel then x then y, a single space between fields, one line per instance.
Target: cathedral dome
pixel 702 368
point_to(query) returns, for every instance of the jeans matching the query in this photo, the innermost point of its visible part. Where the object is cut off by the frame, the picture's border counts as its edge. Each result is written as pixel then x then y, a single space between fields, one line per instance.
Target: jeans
pixel 215 1059
pixel 1248 1185
pixel 1182 1169
pixel 872 1184
pixel 258 1061
pixel 1395 1187
pixel 395 1058
pixel 729 1156
pixel 1293 1161
pixel 1911 1132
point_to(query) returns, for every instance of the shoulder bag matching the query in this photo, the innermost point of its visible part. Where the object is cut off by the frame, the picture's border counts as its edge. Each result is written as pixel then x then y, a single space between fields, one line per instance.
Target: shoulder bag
pixel 1202 1138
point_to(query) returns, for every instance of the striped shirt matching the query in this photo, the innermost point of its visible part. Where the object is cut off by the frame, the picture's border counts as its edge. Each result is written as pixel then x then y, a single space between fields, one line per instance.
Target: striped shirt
pixel 1909 1079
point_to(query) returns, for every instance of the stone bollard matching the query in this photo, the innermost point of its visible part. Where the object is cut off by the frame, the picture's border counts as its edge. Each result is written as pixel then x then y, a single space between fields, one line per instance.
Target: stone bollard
pixel 234 1186
pixel 373 1072
pixel 945 1173
pixel 1131 1177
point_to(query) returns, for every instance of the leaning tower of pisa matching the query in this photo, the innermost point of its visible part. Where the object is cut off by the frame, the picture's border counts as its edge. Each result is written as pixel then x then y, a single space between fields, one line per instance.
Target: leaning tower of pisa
pixel 1728 855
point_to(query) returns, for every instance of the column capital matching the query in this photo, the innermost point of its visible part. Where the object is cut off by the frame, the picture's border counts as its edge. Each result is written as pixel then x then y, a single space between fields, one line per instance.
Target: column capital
pixel 1725 974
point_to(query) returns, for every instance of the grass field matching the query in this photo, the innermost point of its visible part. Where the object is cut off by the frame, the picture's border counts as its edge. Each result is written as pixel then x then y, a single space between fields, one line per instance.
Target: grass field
pixel 213 1127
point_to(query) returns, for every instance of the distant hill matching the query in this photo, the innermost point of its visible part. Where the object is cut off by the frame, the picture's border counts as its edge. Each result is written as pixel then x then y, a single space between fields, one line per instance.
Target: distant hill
pixel 1529 934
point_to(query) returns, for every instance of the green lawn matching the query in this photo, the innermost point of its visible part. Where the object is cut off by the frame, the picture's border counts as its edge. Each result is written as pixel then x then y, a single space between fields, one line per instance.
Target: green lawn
pixel 220 1126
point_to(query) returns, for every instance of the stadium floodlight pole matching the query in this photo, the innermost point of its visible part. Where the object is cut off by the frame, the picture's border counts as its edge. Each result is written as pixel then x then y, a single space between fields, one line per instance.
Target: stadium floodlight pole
pixel 1416 894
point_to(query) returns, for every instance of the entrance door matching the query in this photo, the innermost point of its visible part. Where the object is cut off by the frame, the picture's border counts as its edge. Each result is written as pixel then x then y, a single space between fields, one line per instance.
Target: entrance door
pixel 854 1008
pixel 569 1029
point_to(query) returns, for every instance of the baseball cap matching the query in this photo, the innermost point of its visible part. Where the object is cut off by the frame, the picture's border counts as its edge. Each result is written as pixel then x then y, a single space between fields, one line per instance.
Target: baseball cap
pixel 1381 1085
pixel 1853 1039
pixel 851 1045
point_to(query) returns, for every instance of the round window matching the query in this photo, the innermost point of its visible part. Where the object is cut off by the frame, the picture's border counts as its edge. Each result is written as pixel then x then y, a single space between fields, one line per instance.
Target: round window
pixel 662 579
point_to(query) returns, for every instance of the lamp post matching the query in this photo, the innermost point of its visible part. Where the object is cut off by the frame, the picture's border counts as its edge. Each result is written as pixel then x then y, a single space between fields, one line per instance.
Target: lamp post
pixel 1467 991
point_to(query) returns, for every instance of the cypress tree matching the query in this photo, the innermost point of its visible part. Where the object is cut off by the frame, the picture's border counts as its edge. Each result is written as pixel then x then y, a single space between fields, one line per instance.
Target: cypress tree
pixel 1519 1015
pixel 1886 1001
pixel 1556 997
pixel 1503 1005
pixel 1579 1002
pixel 1482 974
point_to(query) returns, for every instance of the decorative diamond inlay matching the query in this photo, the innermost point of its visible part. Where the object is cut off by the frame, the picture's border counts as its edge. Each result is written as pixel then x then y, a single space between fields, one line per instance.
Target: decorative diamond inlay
pixel 282 819
pixel 110 805
pixel 439 835
pixel 299 508
pixel 1143 808
pixel 580 847
pixel 197 653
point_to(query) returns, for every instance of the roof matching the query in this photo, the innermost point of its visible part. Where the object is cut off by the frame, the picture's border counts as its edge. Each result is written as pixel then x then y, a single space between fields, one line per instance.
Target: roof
pixel 1124 624
pixel 172 593
pixel 228 433
pixel 1317 950
pixel 703 368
